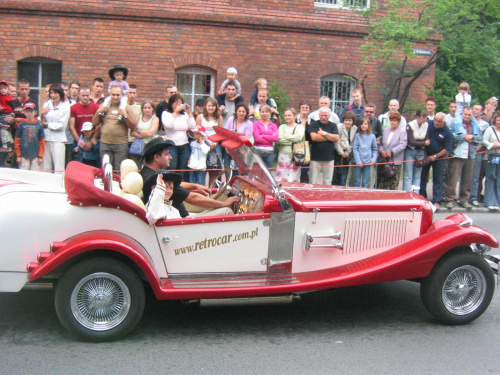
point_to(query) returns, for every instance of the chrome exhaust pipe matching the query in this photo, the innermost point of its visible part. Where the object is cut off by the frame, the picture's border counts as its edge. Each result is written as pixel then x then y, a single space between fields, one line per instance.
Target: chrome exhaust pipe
pixel 38 286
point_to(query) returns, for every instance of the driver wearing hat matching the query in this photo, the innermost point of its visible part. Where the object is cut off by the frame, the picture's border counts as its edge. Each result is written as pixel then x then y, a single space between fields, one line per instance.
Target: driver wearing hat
pixel 157 156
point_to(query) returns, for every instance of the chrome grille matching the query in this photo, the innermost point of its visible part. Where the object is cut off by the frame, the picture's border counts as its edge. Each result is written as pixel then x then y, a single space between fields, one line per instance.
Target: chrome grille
pixel 370 234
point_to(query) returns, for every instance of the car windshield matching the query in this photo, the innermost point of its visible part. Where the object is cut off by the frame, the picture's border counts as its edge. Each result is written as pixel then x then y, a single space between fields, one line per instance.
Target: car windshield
pixel 252 166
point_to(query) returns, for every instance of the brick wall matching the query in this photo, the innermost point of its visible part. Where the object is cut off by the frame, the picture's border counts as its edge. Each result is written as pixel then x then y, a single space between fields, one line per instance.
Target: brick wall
pixel 290 41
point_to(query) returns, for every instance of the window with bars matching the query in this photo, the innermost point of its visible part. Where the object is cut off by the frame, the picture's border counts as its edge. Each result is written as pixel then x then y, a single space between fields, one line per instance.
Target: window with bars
pixel 40 72
pixel 195 83
pixel 338 88
pixel 362 4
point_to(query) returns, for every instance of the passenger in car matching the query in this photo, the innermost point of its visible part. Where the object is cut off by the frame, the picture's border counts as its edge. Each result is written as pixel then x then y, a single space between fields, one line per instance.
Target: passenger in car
pixel 159 205
pixel 156 156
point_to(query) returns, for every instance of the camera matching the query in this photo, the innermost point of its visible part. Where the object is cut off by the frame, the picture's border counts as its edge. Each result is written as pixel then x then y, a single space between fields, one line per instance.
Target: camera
pixel 182 106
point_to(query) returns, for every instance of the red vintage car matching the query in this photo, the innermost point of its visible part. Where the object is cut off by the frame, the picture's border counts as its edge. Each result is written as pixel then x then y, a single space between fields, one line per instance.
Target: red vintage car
pixel 98 250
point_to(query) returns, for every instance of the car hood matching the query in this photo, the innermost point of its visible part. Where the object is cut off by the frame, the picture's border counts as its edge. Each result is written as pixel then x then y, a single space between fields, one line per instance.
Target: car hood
pixel 307 197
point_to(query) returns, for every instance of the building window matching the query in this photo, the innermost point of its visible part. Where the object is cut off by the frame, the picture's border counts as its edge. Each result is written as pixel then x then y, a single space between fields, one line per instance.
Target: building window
pixel 338 88
pixel 40 72
pixel 358 4
pixel 195 83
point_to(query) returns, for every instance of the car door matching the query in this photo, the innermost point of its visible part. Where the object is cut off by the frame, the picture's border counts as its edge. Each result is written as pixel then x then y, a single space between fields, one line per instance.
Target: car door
pixel 232 243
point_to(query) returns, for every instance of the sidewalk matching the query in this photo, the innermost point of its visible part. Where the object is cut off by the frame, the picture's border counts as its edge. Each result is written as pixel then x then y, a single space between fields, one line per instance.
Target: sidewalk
pixel 456 208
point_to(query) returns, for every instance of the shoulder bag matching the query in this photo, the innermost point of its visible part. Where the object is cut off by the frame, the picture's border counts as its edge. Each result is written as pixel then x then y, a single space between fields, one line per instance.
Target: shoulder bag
pixel 388 169
pixel 301 153
pixel 493 155
pixel 137 147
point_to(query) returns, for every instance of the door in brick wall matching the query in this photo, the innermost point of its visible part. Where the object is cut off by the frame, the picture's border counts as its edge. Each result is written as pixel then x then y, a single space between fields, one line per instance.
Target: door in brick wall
pixel 195 83
pixel 40 72
pixel 338 88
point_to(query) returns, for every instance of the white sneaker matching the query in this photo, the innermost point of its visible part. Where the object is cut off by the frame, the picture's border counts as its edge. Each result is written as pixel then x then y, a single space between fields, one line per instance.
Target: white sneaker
pixel 492 208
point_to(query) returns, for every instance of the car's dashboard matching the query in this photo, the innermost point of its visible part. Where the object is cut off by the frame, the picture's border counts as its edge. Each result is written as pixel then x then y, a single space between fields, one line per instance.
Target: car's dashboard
pixel 251 199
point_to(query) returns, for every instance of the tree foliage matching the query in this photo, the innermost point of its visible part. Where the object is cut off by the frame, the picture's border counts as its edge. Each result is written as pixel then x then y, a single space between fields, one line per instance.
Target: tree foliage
pixel 468 49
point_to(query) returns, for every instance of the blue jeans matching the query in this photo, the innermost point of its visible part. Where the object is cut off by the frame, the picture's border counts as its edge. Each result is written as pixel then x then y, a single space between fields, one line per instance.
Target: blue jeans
pixel 437 180
pixel 197 177
pixel 3 157
pixel 267 156
pixel 476 178
pixel 362 176
pixel 492 185
pixel 180 156
pixel 411 174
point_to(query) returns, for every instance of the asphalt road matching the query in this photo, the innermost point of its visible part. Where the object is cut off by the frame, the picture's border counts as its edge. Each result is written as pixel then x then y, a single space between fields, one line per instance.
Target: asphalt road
pixel 374 329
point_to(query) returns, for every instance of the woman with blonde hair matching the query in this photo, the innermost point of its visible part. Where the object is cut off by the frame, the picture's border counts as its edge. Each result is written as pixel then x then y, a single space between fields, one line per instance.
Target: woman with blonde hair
pixel 289 133
pixel 210 118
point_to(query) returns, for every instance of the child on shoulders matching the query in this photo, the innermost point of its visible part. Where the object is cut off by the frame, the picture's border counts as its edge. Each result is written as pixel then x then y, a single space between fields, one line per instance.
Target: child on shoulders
pixel 260 84
pixel 232 73
pixel 463 98
pixel 118 75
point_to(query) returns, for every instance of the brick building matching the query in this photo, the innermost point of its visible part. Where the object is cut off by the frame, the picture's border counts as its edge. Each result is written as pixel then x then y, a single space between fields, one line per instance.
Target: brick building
pixel 311 46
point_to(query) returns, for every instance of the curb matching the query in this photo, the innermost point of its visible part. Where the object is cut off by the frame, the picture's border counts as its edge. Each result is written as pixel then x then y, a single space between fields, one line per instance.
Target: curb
pixel 457 208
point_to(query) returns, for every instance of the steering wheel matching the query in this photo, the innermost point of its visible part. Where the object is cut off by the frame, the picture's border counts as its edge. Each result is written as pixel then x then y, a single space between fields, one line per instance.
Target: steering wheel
pixel 221 186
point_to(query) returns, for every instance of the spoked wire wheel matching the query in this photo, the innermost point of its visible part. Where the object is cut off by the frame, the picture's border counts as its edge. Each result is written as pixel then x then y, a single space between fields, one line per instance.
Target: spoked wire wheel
pixel 464 290
pixel 459 289
pixel 100 301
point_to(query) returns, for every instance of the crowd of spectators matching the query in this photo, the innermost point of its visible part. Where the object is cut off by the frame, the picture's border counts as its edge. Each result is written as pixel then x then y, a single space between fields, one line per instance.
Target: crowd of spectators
pixel 355 148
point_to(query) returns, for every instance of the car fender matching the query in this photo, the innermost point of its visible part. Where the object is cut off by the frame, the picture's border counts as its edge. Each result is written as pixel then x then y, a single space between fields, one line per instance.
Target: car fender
pixel 63 252
pixel 418 257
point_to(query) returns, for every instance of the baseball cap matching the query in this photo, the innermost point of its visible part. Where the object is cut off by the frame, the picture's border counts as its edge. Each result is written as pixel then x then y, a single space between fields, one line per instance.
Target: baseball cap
pixel 232 70
pixel 29 105
pixel 200 129
pixel 4 82
pixel 87 125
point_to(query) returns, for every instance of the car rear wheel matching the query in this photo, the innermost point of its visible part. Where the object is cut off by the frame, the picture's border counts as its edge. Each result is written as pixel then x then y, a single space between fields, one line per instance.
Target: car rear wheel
pixel 459 288
pixel 100 299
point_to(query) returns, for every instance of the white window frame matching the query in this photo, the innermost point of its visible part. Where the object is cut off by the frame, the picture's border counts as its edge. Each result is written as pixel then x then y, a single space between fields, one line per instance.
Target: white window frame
pixel 37 89
pixel 342 4
pixel 192 95
pixel 337 82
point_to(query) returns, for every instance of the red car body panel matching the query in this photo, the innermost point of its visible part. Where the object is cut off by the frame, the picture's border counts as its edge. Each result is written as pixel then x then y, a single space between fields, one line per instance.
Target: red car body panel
pixel 412 260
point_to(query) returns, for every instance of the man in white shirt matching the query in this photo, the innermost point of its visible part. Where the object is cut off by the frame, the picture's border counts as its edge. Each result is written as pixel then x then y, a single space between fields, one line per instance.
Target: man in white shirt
pixel 324 101
pixel 384 119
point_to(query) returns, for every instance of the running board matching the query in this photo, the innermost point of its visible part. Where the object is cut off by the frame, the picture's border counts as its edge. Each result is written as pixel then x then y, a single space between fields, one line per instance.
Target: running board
pixel 244 301
pixel 231 280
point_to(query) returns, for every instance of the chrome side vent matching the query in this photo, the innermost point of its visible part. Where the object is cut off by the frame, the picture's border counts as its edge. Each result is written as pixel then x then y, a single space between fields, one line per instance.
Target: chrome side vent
pixel 370 234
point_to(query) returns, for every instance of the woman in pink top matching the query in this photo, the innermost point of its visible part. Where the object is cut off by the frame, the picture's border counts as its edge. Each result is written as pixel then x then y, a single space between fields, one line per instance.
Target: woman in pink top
pixel 265 133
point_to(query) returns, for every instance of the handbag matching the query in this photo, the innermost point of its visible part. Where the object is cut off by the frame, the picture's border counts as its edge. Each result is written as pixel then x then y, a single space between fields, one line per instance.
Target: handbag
pixel 137 147
pixel 301 153
pixel 198 164
pixel 387 170
pixel 493 155
pixel 213 160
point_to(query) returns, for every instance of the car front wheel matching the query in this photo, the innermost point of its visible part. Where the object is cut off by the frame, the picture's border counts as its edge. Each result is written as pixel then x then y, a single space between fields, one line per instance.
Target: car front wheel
pixel 99 299
pixel 459 288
